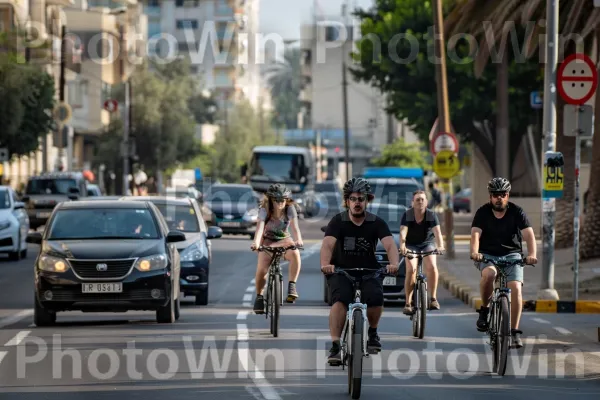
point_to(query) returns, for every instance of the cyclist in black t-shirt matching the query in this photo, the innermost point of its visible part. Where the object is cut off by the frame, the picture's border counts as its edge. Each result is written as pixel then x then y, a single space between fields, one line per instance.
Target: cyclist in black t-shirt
pixel 350 242
pixel 497 231
pixel 420 231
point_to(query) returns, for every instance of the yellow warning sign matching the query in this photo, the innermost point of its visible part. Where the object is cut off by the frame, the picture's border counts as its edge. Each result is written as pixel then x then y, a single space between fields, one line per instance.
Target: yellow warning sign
pixel 554 178
pixel 446 164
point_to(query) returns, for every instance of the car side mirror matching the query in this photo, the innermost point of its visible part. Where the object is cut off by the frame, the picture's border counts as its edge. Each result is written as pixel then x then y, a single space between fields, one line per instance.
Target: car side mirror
pixel 214 232
pixel 175 236
pixel 34 237
pixel 19 205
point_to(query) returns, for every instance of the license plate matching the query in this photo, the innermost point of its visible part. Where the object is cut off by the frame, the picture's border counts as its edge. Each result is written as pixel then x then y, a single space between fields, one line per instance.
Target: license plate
pixel 230 224
pixel 43 215
pixel 389 281
pixel 102 287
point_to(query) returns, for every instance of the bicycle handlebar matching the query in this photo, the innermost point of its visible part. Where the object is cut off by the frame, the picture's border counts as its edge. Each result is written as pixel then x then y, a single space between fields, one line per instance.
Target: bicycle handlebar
pixel 279 249
pixel 505 263
pixel 373 274
pixel 421 254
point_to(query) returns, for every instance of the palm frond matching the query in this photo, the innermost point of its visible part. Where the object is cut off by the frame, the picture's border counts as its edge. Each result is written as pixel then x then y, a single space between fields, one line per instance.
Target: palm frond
pixel 573 16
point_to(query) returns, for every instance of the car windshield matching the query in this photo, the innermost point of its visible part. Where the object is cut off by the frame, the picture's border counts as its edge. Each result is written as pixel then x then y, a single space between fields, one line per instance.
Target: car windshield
pixel 393 193
pixel 50 186
pixel 181 218
pixel 391 215
pixel 284 166
pixel 4 199
pixel 103 223
pixel 230 194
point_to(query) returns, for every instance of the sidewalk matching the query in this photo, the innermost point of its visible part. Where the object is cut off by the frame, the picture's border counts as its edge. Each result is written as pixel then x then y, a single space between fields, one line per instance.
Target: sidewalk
pixel 462 279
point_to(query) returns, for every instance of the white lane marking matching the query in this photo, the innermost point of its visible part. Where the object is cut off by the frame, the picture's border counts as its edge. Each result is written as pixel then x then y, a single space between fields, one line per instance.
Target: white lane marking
pixel 253 282
pixel 242 315
pixel 541 321
pixel 242 332
pixel 562 330
pixel 2 355
pixel 15 341
pixel 250 289
pixel 247 297
pixel 15 318
pixel 246 304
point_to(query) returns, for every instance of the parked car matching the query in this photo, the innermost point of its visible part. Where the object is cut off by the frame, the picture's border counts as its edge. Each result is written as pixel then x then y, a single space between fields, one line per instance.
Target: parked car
pixel 185 215
pixel 462 201
pixel 234 208
pixel 393 286
pixel 106 256
pixel 14 224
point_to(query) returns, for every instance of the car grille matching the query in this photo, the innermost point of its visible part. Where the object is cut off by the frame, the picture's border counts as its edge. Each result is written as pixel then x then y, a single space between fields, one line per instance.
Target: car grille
pixel 77 296
pixel 87 269
pixel 222 214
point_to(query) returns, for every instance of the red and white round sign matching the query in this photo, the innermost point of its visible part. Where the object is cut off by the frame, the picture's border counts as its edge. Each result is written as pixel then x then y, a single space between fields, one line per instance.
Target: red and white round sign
pixel 444 141
pixel 577 79
pixel 111 105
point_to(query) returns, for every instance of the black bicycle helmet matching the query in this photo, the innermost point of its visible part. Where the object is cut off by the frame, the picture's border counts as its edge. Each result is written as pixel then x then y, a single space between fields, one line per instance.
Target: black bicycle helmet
pixel 279 191
pixel 499 184
pixel 357 185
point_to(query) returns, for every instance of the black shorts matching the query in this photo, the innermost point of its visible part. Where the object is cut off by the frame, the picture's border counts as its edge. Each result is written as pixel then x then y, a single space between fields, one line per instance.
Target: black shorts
pixel 423 247
pixel 342 290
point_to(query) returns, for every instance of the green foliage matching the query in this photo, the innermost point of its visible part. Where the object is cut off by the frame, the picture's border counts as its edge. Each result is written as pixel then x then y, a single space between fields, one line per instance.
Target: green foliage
pixel 285 82
pixel 26 104
pixel 402 154
pixel 410 84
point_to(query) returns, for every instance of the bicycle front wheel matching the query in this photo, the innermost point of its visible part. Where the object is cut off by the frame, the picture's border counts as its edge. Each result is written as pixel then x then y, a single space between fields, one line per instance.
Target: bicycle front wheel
pixel 416 317
pixel 503 336
pixel 422 309
pixel 275 305
pixel 356 356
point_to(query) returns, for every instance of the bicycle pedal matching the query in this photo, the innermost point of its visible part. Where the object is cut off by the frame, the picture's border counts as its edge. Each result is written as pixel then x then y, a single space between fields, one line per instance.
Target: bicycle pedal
pixel 373 351
pixel 334 363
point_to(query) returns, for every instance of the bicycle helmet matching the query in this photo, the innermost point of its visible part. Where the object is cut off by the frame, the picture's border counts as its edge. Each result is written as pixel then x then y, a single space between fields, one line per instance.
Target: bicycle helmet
pixel 279 191
pixel 499 184
pixel 357 185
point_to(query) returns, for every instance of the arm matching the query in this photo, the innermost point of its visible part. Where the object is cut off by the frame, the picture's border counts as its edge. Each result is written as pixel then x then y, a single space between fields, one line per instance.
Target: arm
pixel 475 235
pixel 260 228
pixel 529 237
pixel 293 215
pixel 403 233
pixel 392 251
pixel 327 250
pixel 439 239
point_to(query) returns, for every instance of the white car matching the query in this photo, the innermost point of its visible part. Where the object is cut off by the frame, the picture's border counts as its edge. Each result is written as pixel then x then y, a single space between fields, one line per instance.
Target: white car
pixel 14 224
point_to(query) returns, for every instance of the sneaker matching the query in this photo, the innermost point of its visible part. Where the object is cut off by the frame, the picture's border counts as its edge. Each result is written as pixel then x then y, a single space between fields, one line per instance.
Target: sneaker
pixel 408 310
pixel 292 293
pixel 433 304
pixel 335 355
pixel 482 324
pixel 373 343
pixel 516 338
pixel 259 305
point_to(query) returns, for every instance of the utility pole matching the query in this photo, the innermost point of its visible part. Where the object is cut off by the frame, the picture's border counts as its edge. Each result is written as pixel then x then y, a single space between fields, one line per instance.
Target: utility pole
pixel 547 290
pixel 61 90
pixel 125 144
pixel 345 95
pixel 443 112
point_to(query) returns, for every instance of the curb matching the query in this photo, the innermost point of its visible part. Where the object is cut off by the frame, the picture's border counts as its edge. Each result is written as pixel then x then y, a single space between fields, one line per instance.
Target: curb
pixel 472 298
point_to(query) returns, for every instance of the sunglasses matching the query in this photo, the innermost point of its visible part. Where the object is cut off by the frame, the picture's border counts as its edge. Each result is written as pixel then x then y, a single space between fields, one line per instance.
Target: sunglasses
pixel 499 194
pixel 355 199
pixel 279 200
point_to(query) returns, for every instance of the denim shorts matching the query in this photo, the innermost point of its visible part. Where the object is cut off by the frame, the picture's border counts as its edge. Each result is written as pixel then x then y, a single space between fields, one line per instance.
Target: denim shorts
pixel 514 273
pixel 427 246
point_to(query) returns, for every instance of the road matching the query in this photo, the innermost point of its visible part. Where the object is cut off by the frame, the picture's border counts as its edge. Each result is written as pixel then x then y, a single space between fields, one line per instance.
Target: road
pixel 224 351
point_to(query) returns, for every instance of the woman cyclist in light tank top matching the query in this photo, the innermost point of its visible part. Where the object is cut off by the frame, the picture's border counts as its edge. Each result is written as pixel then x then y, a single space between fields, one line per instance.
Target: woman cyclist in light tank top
pixel 275 217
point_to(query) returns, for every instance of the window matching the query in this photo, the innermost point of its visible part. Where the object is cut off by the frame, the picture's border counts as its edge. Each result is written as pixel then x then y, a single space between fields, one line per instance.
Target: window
pixel 187 24
pixel 187 3
pixel 154 3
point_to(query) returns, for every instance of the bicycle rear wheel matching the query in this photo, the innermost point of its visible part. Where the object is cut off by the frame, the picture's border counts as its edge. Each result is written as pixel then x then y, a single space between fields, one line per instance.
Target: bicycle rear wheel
pixel 422 309
pixel 355 360
pixel 503 336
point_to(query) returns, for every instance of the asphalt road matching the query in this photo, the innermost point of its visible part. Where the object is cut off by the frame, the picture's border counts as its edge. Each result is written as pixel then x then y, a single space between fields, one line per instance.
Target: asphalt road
pixel 224 351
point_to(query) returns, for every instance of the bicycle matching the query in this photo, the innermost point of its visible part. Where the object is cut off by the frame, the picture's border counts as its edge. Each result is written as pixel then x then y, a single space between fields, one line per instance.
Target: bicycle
pixel 420 304
pixel 274 299
pixel 499 314
pixel 353 343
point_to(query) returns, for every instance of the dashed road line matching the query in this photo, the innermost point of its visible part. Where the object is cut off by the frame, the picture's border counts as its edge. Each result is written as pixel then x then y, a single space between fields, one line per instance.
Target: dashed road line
pixel 247 297
pixel 15 341
pixel 242 315
pixel 562 330
pixel 15 318
pixel 541 321
pixel 2 355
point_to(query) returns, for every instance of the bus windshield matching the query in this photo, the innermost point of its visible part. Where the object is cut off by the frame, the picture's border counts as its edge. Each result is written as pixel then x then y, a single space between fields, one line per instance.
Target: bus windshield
pixel 288 167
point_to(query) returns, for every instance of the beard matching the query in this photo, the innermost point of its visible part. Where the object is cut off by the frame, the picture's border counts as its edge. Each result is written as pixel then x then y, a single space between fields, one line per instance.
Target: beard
pixel 357 212
pixel 499 206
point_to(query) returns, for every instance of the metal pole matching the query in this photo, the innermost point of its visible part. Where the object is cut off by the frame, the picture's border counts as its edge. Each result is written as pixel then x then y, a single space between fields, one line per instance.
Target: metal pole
pixel 549 128
pixel 61 92
pixel 443 112
pixel 345 101
pixel 126 141
pixel 578 110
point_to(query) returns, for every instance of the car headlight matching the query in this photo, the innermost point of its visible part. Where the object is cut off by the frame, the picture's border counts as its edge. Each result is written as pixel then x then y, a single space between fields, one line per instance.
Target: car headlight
pixel 4 224
pixel 251 215
pixel 194 252
pixel 151 263
pixel 53 264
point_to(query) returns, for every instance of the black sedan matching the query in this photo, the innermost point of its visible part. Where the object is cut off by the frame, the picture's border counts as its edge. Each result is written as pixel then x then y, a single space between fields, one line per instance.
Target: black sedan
pixel 184 215
pixel 106 256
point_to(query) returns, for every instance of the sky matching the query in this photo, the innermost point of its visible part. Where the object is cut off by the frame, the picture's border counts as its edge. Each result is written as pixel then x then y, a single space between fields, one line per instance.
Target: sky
pixel 285 16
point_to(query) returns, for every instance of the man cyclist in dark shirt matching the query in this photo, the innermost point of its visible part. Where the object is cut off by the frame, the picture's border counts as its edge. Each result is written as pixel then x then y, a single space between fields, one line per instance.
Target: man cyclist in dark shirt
pixel 350 241
pixel 497 231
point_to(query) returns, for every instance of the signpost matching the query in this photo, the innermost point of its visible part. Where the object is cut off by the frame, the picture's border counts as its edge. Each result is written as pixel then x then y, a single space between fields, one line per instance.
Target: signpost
pixel 536 100
pixel 554 173
pixel 444 141
pixel 577 81
pixel 446 164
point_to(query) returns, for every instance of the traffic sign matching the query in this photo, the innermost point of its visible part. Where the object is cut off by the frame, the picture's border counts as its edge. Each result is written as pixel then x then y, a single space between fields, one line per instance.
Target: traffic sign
pixel 554 175
pixel 4 154
pixel 578 120
pixel 444 141
pixel 577 79
pixel 63 113
pixel 111 105
pixel 446 164
pixel 536 100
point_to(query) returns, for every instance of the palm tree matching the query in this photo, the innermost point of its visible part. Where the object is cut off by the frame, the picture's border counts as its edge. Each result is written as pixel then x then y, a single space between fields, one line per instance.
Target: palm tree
pixel 285 82
pixel 577 17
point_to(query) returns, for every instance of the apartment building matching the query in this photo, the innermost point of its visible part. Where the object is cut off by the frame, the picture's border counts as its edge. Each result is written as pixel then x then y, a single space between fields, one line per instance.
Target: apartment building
pixel 219 37
pixel 325 45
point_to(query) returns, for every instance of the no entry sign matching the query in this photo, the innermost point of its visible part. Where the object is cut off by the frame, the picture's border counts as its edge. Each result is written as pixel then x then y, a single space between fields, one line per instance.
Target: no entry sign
pixel 577 79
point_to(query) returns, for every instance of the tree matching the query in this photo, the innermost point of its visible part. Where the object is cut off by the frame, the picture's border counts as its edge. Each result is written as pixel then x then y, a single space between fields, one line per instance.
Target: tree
pixel 402 154
pixel 410 85
pixel 285 81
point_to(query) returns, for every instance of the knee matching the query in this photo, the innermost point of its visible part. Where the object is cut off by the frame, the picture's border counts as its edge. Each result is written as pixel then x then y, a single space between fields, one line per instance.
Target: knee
pixel 515 288
pixel 488 276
